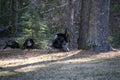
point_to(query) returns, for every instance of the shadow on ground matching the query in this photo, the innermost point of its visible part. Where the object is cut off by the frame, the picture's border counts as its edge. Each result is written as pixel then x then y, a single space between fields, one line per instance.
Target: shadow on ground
pixel 60 69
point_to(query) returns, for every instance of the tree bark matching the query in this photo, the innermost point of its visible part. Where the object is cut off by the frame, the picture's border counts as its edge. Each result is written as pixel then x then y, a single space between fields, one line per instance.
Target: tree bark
pixel 14 17
pixel 71 23
pixel 97 23
pixel 84 24
pixel 98 26
pixel 0 6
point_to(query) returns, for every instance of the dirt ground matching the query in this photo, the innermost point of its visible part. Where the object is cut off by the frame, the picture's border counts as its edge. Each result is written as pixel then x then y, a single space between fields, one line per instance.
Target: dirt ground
pixel 58 65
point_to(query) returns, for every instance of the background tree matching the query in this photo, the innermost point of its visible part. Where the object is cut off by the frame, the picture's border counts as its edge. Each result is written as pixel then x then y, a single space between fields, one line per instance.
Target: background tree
pixel 71 22
pixel 14 17
pixel 84 24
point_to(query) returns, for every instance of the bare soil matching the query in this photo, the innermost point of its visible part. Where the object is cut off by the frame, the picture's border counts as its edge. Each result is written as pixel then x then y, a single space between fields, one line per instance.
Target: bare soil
pixel 57 65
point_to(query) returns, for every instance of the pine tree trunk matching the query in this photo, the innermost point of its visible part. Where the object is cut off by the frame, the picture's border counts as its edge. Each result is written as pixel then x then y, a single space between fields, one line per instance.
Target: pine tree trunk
pixel 0 6
pixel 98 26
pixel 94 25
pixel 71 23
pixel 14 17
pixel 84 24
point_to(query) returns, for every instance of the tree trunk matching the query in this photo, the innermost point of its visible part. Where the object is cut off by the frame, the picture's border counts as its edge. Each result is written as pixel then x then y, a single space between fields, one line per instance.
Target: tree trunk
pixel 14 17
pixel 71 23
pixel 97 36
pixel 84 23
pixel 0 7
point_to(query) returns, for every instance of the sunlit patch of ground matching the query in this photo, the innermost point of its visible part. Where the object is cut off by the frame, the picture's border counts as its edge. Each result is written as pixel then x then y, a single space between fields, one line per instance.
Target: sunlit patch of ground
pixel 73 65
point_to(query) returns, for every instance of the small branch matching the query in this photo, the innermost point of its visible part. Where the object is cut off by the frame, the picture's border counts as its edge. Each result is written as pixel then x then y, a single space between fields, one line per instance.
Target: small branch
pixel 8 14
pixel 28 6
pixel 63 5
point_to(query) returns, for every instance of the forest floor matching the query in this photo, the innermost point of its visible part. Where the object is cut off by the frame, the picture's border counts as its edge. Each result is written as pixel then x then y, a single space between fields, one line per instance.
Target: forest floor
pixel 58 65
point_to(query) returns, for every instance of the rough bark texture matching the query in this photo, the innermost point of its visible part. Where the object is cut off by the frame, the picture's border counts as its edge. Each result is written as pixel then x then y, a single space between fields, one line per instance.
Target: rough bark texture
pixel 96 22
pixel 14 16
pixel 71 23
pixel 0 6
pixel 84 24
pixel 98 26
